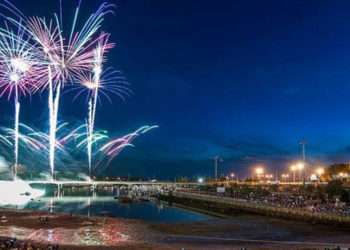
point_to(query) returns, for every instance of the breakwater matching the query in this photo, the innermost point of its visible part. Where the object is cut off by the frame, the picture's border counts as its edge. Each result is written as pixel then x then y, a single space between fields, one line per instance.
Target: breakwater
pixel 231 206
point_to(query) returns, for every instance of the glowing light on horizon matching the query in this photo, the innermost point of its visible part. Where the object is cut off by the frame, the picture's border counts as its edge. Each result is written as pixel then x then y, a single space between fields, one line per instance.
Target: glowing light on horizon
pixel 259 171
pixel 300 166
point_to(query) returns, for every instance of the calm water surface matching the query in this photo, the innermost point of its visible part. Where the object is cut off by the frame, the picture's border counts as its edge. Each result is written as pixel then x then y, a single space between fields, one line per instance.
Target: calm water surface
pixel 99 206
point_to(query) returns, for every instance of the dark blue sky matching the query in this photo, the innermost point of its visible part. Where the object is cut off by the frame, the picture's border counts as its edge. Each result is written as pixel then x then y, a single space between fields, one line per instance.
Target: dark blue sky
pixel 242 79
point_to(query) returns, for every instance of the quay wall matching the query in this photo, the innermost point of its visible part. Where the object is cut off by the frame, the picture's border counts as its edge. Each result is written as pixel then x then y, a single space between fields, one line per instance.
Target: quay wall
pixel 230 206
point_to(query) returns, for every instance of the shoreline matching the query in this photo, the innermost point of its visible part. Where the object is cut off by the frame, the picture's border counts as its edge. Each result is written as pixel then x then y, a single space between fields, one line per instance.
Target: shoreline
pixel 169 236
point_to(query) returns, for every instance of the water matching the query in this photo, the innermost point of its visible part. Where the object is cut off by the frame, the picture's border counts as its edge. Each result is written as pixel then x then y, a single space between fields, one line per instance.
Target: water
pixel 108 206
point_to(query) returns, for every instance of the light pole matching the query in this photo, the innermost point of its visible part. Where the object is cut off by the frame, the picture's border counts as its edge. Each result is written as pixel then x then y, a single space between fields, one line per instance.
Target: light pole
pixel 303 144
pixel 293 168
pixel 217 159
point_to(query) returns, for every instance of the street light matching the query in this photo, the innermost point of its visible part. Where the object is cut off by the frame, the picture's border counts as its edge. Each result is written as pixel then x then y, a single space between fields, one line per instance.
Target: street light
pixel 259 171
pixel 232 175
pixel 217 159
pixel 300 166
pixel 320 171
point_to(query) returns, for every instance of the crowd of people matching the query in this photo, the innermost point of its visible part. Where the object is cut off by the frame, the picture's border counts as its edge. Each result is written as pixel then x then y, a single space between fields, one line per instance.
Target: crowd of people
pixel 14 244
pixel 300 201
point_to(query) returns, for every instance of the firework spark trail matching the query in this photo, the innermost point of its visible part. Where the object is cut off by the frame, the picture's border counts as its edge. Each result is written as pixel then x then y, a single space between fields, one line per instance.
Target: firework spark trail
pixel 35 143
pixel 97 70
pixel 17 109
pixel 44 138
pixel 115 146
pixel 30 139
pixel 100 84
pixel 51 124
pixel 97 137
pixel 90 125
pixel 54 97
pixel 4 139
pixel 73 134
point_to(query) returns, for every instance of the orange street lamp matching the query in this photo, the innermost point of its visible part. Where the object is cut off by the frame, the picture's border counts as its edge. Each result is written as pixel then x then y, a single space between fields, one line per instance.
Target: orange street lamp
pixel 320 171
pixel 259 171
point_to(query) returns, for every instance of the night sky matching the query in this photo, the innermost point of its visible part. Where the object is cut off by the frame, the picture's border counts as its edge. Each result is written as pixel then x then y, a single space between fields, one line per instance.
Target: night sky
pixel 246 80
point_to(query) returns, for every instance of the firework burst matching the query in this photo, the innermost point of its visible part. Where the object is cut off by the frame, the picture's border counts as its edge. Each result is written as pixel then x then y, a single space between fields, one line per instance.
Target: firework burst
pixel 20 71
pixel 67 58
pixel 41 56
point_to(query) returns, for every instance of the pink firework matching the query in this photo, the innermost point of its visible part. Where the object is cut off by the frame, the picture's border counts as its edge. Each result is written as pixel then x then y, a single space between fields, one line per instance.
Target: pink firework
pixel 20 71
pixel 115 146
pixel 21 68
pixel 68 57
pixel 111 82
pixel 99 81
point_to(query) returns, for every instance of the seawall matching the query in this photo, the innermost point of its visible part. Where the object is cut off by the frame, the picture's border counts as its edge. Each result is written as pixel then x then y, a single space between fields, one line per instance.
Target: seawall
pixel 229 206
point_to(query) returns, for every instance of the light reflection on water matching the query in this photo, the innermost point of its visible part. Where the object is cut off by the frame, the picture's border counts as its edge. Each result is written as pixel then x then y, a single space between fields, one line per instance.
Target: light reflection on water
pixel 108 206
pixel 88 233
